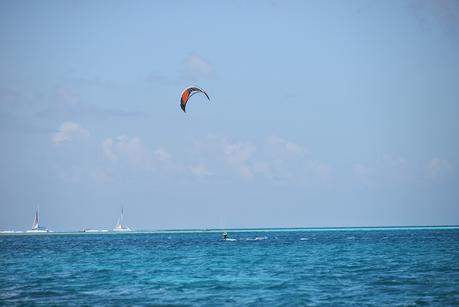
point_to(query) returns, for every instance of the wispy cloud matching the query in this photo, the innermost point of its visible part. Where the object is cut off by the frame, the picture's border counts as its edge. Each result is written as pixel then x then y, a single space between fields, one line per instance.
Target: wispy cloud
pixel 445 13
pixel 282 148
pixel 101 176
pixel 134 151
pixel 161 154
pixel 123 146
pixel 107 148
pixel 274 159
pixel 438 169
pixel 69 131
pixel 162 79
pixel 397 168
pixel 70 174
pixel 66 102
pixel 237 156
pixel 193 68
pixel 286 161
pixel 197 67
pixel 66 97
pixel 200 170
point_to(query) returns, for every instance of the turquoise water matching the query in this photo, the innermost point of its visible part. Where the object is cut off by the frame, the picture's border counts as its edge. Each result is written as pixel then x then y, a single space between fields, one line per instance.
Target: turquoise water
pixel 300 267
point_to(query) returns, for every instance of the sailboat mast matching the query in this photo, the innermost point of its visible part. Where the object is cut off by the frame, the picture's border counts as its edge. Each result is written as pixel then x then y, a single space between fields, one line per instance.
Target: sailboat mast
pixel 119 225
pixel 36 219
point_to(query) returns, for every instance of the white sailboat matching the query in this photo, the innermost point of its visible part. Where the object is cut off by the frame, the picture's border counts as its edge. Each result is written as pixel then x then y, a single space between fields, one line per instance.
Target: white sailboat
pixel 36 224
pixel 119 226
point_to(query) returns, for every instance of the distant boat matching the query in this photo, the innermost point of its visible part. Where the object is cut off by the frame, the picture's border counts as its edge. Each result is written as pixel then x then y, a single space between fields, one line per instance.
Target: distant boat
pixel 89 230
pixel 119 226
pixel 36 224
pixel 93 230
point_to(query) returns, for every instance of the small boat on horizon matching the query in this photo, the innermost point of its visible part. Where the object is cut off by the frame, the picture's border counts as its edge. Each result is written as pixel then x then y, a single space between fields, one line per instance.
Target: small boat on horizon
pixel 36 223
pixel 90 230
pixel 119 226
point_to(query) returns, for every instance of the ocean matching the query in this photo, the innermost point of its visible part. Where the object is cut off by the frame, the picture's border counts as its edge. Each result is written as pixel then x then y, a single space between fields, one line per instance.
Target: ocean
pixel 393 266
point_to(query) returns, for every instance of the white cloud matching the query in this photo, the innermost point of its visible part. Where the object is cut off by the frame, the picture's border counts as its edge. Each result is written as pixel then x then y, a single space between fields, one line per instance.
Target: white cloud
pixel 70 174
pixel 237 156
pixel 275 159
pixel 161 154
pixel 100 176
pixel 69 131
pixel 263 168
pixel 200 170
pixel 438 169
pixel 281 148
pixel 286 161
pixel 131 148
pixel 225 156
pixel 198 67
pixel 107 147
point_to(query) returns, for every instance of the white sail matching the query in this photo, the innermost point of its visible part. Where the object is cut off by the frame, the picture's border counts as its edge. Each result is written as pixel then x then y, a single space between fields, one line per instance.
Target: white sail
pixel 35 220
pixel 36 223
pixel 119 225
pixel 120 220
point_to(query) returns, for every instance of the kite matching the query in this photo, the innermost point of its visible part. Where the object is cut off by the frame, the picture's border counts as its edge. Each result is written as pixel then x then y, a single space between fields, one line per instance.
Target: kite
pixel 187 93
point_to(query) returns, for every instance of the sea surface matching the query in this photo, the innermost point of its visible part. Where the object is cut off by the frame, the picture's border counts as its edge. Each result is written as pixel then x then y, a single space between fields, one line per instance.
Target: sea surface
pixel 391 267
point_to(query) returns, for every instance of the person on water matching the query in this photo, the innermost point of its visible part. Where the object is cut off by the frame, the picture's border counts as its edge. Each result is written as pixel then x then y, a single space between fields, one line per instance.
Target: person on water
pixel 225 235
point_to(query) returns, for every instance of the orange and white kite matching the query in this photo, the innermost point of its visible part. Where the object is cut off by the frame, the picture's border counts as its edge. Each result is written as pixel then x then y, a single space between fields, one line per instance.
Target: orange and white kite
pixel 187 93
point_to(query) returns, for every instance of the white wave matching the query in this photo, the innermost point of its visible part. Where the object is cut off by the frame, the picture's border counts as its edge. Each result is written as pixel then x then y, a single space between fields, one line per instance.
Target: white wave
pixel 257 239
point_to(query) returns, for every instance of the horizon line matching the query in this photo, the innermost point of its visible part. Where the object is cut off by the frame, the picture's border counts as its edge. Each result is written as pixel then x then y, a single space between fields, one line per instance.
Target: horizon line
pixel 241 230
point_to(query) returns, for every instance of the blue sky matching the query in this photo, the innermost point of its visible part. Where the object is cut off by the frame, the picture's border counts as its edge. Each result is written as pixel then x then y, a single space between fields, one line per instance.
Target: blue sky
pixel 322 113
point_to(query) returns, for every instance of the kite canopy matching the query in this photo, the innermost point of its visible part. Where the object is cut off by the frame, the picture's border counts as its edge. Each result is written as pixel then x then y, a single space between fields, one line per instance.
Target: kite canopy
pixel 187 93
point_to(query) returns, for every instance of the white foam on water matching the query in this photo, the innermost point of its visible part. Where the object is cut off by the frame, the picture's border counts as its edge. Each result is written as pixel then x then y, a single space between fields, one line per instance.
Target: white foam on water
pixel 257 239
